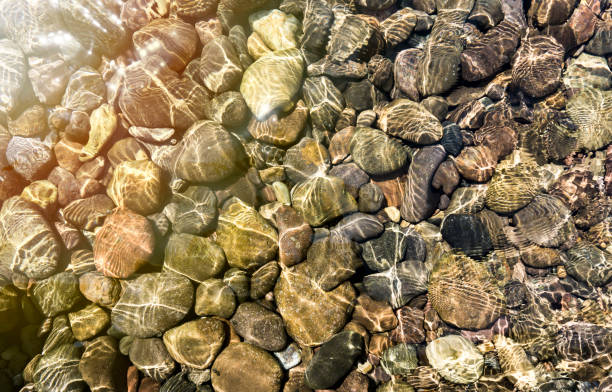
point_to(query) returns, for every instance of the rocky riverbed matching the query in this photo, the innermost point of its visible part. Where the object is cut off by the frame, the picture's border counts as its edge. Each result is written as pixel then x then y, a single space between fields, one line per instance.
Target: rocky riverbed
pixel 300 195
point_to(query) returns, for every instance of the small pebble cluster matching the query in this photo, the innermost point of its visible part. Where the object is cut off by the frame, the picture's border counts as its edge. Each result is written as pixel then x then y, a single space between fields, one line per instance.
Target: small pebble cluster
pixel 301 195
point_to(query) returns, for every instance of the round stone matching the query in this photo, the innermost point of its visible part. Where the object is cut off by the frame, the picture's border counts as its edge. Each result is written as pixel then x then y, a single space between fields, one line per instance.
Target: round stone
pixel 193 211
pixel 138 186
pixel 410 121
pixel 125 243
pixel 242 367
pixel 151 357
pixel 152 304
pixel 456 359
pixel 88 322
pixel 215 298
pixel 195 343
pixel 271 82
pixel 259 326
pixel 306 159
pixel 248 240
pixel 376 153
pixel 100 289
pixel 198 258
pixel 56 294
pixel 322 198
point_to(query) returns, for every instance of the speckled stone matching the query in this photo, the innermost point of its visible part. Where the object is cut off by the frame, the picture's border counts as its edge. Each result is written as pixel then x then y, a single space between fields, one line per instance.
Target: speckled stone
pixel 242 367
pixel 259 326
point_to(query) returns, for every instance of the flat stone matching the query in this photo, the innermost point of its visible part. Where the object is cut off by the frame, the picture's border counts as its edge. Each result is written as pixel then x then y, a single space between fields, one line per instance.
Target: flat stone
pixel 242 367
pixel 198 258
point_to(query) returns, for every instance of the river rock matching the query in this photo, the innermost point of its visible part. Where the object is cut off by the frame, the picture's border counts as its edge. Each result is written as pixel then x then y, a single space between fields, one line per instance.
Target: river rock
pixel 124 244
pixel 192 211
pixel 98 363
pixel 13 73
pixel 30 157
pixel 198 258
pixel 420 198
pixel 266 93
pixel 242 367
pixel 306 159
pixel 377 153
pixel 311 315
pixel 281 131
pixel 277 29
pixel 324 100
pixel 88 322
pixel 537 65
pixel 220 68
pixel 396 244
pixel 215 298
pixel 259 326
pixel 332 260
pixel 458 286
pixel 138 186
pixel 294 236
pixel 410 121
pixel 59 368
pixel 320 199
pixel 247 239
pixel 151 357
pixel 334 360
pixel 195 343
pixel 264 279
pixel 100 289
pixel 152 304
pixel 398 284
pixel 56 294
pixel 456 359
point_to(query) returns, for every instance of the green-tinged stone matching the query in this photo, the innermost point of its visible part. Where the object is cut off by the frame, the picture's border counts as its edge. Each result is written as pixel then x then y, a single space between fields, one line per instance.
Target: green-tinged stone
pixel 198 258
pixel 215 298
pixel 322 198
pixel 248 240
pixel 88 322
pixel 60 334
pixel 242 367
pixel 98 362
pixel 376 153
pixel 312 316
pixel 151 357
pixel 270 83
pixel 277 29
pixel 152 303
pixel 399 359
pixel 10 308
pixel 195 343
pixel 57 294
pixel 332 260
pixel 456 359
pixel 100 289
pixel 58 370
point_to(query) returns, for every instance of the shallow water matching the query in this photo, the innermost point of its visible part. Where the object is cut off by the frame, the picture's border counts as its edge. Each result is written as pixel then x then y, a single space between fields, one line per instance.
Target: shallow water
pixel 298 195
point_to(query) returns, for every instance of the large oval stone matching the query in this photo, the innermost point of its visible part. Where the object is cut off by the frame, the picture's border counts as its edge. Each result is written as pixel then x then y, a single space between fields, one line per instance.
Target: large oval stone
pixel 245 236
pixel 152 304
pixel 242 367
pixel 312 315
pixel 271 82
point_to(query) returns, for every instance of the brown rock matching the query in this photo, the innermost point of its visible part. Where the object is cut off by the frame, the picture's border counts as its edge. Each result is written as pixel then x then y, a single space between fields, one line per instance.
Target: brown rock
pixel 124 244
pixel 294 236
pixel 67 154
pixel 410 328
pixel 376 316
pixel 476 163
pixel 242 367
